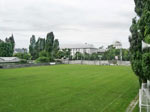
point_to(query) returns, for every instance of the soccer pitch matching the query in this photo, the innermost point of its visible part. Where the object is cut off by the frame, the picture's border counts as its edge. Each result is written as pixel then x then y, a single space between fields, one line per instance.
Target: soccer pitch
pixel 67 88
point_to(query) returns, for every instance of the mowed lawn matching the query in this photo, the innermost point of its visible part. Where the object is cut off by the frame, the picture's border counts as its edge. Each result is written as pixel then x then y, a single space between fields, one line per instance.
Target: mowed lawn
pixel 67 88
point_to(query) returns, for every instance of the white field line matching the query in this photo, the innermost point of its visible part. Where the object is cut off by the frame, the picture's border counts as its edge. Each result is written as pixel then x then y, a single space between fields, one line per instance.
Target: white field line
pixel 111 102
pixel 133 104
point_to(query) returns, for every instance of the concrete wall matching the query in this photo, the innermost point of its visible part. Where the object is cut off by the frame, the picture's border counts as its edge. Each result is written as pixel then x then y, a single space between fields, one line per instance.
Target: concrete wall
pixel 97 62
pixel 5 66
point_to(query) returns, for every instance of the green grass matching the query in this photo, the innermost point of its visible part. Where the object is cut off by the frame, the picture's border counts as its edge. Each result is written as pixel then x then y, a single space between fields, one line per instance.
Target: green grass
pixel 67 88
pixel 136 108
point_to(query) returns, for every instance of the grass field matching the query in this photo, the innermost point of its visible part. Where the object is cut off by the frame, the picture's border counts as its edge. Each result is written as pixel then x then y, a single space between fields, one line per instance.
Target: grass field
pixel 136 109
pixel 67 88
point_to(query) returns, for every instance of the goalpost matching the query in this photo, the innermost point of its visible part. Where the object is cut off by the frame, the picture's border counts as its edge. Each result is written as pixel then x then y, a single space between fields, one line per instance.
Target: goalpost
pixel 144 97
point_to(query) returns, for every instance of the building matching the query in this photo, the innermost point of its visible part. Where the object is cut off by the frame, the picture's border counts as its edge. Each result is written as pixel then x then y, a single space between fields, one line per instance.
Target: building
pixel 117 45
pixel 20 50
pixel 82 48
pixel 9 59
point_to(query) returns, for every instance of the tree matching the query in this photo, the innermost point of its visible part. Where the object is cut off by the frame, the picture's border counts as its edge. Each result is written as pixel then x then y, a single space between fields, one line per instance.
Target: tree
pixel 86 56
pixel 48 47
pixel 55 47
pixel 94 56
pixel 6 49
pixel 140 31
pixel 1 41
pixel 43 54
pixel 125 55
pixel 136 50
pixel 11 41
pixel 67 53
pixel 32 47
pixel 49 43
pixel 40 44
pixel 78 56
pixel 60 54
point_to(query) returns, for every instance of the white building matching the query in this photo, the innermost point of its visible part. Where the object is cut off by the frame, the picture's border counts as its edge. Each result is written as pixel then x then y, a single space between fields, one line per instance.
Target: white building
pixel 20 50
pixel 117 45
pixel 82 48
pixel 9 59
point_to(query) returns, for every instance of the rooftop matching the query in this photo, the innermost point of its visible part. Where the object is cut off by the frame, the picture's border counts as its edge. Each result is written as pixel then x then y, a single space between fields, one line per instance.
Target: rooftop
pixel 77 46
pixel 9 59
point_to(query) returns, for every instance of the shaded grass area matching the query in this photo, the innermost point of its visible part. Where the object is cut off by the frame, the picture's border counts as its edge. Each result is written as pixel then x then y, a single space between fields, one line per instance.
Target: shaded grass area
pixel 136 108
pixel 67 88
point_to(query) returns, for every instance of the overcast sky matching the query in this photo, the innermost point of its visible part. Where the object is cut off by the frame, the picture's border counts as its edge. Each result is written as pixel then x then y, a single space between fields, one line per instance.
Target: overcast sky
pixel 98 22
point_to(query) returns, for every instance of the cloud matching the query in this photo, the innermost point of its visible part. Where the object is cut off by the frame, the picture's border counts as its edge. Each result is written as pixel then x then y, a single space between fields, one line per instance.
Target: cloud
pixel 92 21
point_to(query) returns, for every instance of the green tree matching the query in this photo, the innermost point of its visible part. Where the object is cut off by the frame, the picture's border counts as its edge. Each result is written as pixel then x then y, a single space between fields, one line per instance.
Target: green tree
pixel 67 53
pixel 32 47
pixel 43 54
pixel 79 56
pixel 6 49
pixel 11 41
pixel 125 55
pixel 40 45
pixel 140 31
pixel 86 56
pixel 60 54
pixel 49 43
pixel 55 48
pixel 94 56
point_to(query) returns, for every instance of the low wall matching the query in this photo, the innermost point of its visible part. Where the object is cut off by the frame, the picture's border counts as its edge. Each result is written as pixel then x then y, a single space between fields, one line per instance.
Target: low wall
pixel 5 66
pixel 96 62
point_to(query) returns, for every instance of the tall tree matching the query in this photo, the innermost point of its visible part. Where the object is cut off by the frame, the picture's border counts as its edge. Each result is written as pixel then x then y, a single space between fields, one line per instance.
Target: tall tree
pixel 140 31
pixel 11 41
pixel 6 49
pixel 55 47
pixel 32 47
pixel 49 43
pixel 40 44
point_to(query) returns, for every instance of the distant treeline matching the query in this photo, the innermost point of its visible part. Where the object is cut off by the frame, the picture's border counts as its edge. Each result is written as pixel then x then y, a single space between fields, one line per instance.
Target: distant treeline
pixel 44 48
pixel 47 49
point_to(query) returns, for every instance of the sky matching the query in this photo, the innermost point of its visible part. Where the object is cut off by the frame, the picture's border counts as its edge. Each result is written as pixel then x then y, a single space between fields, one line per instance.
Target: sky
pixel 97 22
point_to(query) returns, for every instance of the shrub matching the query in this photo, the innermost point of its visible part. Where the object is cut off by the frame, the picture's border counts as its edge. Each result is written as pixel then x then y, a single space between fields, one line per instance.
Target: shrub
pixel 42 60
pixel 23 56
pixel 23 61
pixel 1 66
pixel 43 54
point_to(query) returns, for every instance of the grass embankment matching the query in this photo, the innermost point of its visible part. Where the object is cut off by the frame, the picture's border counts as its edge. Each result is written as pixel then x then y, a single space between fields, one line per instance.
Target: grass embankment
pixel 67 88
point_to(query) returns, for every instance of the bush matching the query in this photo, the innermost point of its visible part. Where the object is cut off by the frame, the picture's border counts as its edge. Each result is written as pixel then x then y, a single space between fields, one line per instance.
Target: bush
pixel 23 61
pixel 23 56
pixel 43 54
pixel 42 60
pixel 1 66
